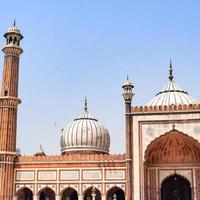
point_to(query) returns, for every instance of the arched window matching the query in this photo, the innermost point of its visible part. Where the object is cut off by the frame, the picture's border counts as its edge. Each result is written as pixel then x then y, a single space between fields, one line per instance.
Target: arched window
pixel 24 194
pixel 115 193
pixel 175 187
pixel 46 194
pixel 92 192
pixel 69 194
pixel 15 40
pixel 10 40
pixel 6 93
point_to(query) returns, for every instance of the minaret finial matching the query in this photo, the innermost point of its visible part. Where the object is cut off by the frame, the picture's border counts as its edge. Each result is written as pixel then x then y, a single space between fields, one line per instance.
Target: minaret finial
pixel 127 78
pixel 86 107
pixel 14 22
pixel 171 77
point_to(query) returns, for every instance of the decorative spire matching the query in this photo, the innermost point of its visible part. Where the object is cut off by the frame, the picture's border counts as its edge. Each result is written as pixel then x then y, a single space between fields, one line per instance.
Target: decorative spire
pixel 171 77
pixel 14 22
pixel 173 126
pixel 127 78
pixel 86 107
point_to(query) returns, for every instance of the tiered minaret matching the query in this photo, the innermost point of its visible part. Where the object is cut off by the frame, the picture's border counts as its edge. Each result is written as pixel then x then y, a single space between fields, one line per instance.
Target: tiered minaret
pixel 8 111
pixel 128 96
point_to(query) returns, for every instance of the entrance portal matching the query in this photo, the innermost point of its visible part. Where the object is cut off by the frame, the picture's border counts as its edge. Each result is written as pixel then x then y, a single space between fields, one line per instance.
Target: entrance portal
pixel 175 188
pixel 47 194
pixel 24 194
pixel 69 194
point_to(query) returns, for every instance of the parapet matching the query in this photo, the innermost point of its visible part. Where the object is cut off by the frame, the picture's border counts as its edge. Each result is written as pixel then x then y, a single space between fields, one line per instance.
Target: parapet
pixel 72 158
pixel 171 108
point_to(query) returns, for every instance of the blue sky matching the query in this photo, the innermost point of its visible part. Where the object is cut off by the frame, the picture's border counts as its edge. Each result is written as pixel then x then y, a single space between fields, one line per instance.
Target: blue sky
pixel 79 48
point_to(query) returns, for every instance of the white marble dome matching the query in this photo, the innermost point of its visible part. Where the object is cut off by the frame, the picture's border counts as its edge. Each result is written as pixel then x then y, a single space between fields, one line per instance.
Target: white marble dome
pixel 172 94
pixel 85 135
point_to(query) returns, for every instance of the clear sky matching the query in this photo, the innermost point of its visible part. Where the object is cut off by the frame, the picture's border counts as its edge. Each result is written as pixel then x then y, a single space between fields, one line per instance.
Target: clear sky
pixel 79 48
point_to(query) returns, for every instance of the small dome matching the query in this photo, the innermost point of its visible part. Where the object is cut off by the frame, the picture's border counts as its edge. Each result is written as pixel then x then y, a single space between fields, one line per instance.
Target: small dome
pixel 13 29
pixel 172 94
pixel 173 147
pixel 85 135
pixel 40 152
pixel 127 83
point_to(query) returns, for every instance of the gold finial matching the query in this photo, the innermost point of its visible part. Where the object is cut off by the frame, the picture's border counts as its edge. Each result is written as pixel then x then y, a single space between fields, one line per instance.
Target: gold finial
pixel 86 107
pixel 171 77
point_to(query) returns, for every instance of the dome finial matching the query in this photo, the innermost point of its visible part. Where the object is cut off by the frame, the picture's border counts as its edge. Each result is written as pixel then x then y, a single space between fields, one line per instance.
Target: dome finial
pixel 86 107
pixel 14 22
pixel 127 78
pixel 171 77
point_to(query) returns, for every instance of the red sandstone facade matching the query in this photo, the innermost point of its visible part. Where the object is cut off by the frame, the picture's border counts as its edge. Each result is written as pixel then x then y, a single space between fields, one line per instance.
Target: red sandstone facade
pixel 162 160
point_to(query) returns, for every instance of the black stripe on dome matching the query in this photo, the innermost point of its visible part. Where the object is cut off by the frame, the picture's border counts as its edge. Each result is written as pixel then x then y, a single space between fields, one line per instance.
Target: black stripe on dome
pixel 181 91
pixel 85 118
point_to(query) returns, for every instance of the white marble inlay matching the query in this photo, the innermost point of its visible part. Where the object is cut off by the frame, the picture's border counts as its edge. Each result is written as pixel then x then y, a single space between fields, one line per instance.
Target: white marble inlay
pixel 47 175
pixel 115 174
pixel 92 175
pixel 25 176
pixel 69 175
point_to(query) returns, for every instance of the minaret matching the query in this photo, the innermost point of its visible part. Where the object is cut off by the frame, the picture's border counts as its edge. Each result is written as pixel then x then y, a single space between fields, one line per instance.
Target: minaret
pixel 8 111
pixel 128 96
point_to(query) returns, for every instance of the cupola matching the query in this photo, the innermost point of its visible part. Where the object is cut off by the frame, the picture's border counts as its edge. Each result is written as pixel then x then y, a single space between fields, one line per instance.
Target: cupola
pixel 85 135
pixel 172 94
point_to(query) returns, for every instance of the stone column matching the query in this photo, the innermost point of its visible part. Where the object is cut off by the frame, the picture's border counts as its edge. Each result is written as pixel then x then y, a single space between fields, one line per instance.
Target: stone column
pixel 15 198
pixel 35 197
pixel 103 197
pixel 80 197
pixel 57 197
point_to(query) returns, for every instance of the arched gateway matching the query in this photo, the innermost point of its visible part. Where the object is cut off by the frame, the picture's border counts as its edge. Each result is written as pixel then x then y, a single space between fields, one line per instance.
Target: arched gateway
pixel 115 192
pixel 69 194
pixel 91 193
pixel 24 194
pixel 175 187
pixel 170 163
pixel 47 194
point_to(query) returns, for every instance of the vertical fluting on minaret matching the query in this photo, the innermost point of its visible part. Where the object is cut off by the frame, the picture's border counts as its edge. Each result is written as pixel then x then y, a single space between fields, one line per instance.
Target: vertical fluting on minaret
pixel 8 111
pixel 128 96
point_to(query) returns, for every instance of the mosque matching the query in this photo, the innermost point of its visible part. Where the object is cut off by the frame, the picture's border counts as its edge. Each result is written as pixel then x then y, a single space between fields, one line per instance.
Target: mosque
pixel 161 162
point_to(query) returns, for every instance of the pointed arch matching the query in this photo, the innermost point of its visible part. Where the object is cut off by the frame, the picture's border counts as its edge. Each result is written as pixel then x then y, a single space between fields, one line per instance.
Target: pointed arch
pixel 88 193
pixel 46 193
pixel 69 193
pixel 24 194
pixel 176 187
pixel 120 194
